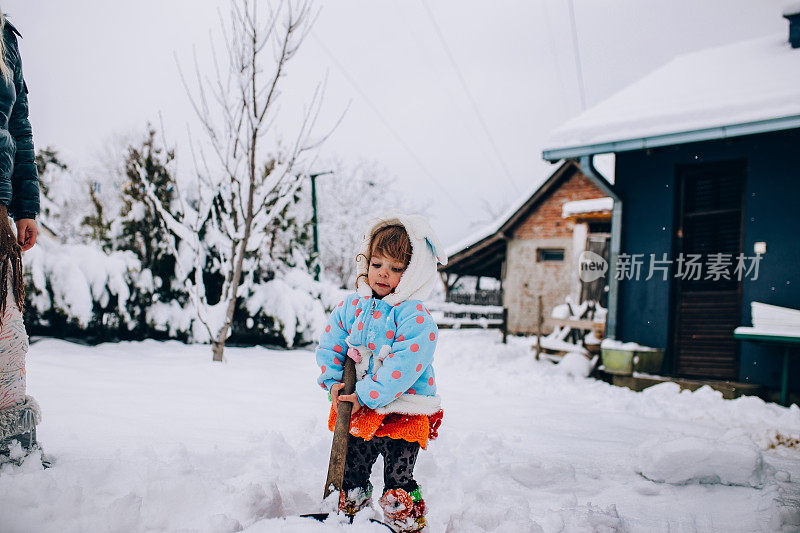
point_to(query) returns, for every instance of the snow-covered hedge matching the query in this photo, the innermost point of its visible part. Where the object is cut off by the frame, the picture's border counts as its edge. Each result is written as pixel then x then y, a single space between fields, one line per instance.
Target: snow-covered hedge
pixel 77 290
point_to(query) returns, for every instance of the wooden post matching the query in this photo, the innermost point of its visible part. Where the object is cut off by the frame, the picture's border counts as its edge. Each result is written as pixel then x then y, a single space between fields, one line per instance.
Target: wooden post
pixel 341 432
pixel 539 322
pixel 505 324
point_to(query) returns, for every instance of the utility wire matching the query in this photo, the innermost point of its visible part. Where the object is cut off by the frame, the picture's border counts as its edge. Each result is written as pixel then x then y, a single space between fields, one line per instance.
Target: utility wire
pixel 436 72
pixel 553 54
pixel 471 98
pixel 448 194
pixel 577 51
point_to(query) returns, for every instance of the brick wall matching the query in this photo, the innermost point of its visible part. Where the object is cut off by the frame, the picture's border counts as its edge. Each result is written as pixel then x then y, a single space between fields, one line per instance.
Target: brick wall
pixel 525 278
pixel 546 222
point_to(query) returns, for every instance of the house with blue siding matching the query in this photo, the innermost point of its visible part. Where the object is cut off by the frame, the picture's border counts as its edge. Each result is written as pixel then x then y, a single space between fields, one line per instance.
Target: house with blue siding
pixel 706 218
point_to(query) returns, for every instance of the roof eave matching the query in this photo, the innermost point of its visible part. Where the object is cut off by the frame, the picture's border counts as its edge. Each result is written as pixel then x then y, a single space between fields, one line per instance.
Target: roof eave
pixel 667 139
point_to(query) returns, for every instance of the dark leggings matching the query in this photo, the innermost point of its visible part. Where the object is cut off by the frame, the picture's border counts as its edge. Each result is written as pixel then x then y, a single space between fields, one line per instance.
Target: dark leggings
pixel 399 457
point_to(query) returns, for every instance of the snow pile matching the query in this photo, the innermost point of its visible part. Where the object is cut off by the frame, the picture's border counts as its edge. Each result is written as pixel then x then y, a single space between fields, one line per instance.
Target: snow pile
pixel 702 460
pixel 767 424
pixel 574 364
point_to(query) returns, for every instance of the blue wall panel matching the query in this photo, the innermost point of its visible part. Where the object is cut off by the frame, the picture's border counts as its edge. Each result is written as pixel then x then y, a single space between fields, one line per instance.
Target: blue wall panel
pixel 645 180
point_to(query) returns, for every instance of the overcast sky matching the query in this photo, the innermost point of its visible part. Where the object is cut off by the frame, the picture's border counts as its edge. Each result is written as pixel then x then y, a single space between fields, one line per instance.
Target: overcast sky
pixel 100 68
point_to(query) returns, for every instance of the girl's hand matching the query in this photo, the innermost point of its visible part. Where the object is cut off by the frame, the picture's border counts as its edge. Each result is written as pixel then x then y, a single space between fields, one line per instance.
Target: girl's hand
pixel 354 354
pixel 353 398
pixel 335 388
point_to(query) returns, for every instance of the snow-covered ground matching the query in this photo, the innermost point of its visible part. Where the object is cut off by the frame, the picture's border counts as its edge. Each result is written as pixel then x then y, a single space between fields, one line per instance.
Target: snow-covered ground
pixel 155 437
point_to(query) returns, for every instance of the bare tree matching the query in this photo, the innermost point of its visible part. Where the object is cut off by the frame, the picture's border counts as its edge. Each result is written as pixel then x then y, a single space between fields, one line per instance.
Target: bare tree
pixel 374 190
pixel 242 186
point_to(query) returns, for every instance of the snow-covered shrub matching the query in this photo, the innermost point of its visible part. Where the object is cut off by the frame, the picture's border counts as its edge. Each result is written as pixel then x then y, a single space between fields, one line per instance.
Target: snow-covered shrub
pixel 291 306
pixel 73 288
pixel 78 290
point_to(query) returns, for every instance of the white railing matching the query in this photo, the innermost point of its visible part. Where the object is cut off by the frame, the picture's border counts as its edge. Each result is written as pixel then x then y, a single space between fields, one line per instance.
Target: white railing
pixel 453 315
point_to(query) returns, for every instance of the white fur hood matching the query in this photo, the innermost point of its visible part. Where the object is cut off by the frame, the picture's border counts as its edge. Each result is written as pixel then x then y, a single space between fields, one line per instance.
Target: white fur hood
pixel 421 275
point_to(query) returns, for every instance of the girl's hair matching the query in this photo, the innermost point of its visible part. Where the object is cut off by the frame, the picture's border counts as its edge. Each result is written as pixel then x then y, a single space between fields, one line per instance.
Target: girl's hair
pixel 10 256
pixel 391 241
pixel 5 71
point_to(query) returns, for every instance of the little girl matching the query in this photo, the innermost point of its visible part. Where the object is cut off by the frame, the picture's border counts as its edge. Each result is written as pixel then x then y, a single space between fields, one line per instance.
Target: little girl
pixel 386 329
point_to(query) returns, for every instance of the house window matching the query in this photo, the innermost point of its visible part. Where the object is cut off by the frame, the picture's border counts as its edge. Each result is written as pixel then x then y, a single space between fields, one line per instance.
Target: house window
pixel 599 227
pixel 549 254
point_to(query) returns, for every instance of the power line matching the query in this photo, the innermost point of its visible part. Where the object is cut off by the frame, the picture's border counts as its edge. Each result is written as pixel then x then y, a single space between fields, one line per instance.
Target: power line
pixel 554 56
pixel 417 160
pixel 436 71
pixel 577 51
pixel 471 98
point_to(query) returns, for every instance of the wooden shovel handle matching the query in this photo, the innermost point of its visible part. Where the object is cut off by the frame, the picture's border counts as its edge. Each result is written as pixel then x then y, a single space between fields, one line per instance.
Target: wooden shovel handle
pixel 341 432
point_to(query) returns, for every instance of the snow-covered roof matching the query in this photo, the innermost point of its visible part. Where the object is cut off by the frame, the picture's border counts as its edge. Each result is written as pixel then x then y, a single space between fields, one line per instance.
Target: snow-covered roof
pixel 593 205
pixel 747 87
pixel 483 252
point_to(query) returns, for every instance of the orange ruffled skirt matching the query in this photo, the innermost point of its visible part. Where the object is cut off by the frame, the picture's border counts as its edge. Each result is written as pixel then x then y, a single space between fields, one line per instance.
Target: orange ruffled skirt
pixel 366 424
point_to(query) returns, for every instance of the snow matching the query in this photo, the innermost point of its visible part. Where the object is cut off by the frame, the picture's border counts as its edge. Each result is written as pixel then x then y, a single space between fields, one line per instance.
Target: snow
pixel 79 275
pixel 471 315
pixel 152 436
pixel 613 344
pixel 456 323
pixel 452 307
pixel 170 316
pixel 593 205
pixel 295 309
pixel 591 338
pixel 551 342
pixel 574 364
pixel 748 81
pixel 776 331
pixel 703 460
pixel 773 316
pixel 78 281
pixel 561 312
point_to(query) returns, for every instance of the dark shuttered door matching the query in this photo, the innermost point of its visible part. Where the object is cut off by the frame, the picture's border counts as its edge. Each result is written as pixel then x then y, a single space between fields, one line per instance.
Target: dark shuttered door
pixel 708 309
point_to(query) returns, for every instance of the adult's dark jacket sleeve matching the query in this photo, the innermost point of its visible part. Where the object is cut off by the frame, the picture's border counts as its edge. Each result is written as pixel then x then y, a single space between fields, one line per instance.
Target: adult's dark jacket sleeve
pixel 24 180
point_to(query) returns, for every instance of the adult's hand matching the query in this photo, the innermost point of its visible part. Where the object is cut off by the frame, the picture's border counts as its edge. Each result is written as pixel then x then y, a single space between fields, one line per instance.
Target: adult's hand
pixel 27 232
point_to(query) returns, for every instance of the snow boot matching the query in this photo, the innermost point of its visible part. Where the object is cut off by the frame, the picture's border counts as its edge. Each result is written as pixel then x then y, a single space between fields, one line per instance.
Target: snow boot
pixel 403 511
pixel 353 500
pixel 18 431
